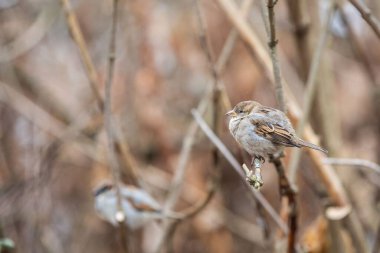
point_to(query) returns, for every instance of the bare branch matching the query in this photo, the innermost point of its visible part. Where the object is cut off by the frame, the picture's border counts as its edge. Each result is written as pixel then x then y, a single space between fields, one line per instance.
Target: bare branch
pixel 179 176
pixel 367 15
pixel 311 85
pixel 77 35
pixel 353 162
pixel 273 53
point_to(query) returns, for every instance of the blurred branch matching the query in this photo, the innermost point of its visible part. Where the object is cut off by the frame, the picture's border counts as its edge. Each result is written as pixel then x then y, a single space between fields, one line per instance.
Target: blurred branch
pixel 112 157
pixel 356 46
pixel 311 88
pixel 179 176
pixel 301 21
pixel 235 165
pixel 33 35
pixel 207 49
pixel 30 110
pixel 273 53
pixel 77 35
pixel 353 162
pixel 239 226
pixel 367 15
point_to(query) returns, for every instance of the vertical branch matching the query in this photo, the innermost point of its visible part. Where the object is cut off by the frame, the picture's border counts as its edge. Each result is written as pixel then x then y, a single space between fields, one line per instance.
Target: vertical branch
pixel 115 168
pixel 273 53
pixel 285 189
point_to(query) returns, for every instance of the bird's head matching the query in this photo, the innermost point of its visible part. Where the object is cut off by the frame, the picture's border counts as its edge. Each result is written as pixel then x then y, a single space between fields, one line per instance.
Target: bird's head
pixel 242 109
pixel 102 188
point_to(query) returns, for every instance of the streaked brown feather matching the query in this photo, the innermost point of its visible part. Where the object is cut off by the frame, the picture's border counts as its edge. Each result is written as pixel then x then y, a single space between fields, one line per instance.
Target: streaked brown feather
pixel 275 133
pixel 141 206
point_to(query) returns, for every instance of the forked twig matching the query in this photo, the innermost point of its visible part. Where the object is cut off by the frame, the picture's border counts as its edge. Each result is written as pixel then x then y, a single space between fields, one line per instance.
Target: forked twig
pixel 179 176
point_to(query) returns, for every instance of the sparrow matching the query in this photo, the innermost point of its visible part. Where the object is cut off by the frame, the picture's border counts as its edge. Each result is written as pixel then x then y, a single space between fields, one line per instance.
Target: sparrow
pixel 138 206
pixel 263 131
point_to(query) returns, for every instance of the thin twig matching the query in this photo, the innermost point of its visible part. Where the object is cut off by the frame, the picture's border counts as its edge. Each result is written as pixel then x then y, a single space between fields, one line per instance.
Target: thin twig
pixel 356 45
pixel 367 15
pixel 77 35
pixel 353 162
pixel 311 85
pixel 240 226
pixel 112 157
pixel 235 165
pixel 206 46
pixel 273 53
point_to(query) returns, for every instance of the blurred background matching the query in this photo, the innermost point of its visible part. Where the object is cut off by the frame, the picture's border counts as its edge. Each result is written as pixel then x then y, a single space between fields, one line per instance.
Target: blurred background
pixel 53 145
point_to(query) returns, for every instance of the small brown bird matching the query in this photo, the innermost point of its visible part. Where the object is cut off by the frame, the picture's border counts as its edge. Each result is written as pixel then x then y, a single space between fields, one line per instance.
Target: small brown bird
pixel 263 131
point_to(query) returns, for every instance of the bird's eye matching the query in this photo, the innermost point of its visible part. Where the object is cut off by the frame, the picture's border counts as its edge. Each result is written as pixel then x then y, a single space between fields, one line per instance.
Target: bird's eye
pixel 240 111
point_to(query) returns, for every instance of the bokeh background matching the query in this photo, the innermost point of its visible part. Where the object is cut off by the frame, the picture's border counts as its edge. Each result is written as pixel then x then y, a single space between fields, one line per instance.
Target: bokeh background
pixel 53 145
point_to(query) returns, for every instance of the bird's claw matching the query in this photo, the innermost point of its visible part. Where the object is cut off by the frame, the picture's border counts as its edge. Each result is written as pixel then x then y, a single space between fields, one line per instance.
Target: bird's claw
pixel 255 181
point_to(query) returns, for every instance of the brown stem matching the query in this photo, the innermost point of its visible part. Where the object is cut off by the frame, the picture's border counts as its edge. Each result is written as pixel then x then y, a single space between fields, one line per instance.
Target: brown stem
pixel 287 191
pixel 77 35
pixel 273 53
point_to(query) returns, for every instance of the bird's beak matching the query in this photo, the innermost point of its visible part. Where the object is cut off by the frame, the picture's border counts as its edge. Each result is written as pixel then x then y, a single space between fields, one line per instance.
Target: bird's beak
pixel 231 113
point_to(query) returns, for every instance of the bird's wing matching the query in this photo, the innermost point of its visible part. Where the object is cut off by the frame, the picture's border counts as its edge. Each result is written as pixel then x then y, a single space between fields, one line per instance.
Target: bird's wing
pixel 276 133
pixel 140 199
pixel 141 206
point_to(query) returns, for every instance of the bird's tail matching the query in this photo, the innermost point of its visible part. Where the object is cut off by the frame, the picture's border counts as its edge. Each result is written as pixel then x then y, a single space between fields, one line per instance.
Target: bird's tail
pixel 303 143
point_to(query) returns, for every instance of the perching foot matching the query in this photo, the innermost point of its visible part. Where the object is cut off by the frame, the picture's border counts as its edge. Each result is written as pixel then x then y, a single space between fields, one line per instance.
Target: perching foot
pixel 254 178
